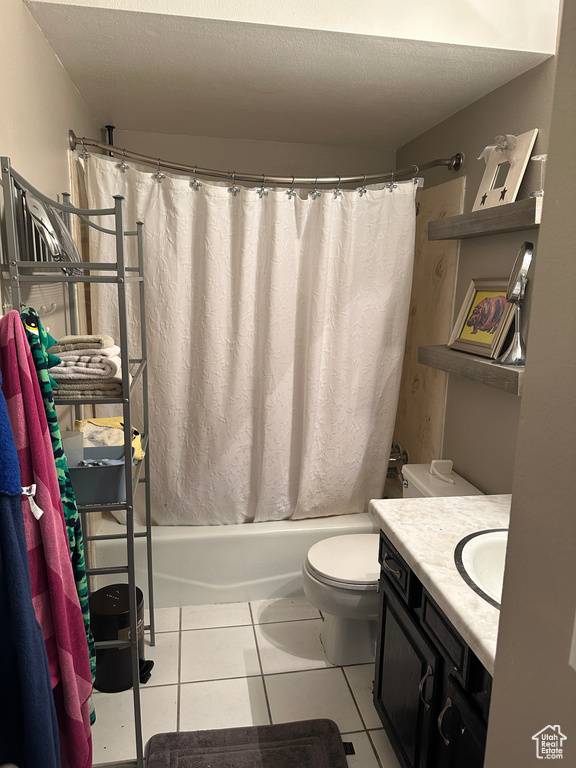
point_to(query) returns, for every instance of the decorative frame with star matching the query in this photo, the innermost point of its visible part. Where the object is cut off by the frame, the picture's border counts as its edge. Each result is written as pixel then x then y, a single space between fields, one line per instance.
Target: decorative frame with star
pixel 484 319
pixel 490 195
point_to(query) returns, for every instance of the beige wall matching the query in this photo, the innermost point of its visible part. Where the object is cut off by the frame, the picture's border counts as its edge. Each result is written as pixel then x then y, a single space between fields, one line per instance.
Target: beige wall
pixel 481 422
pixel 273 158
pixel 534 686
pixel 39 103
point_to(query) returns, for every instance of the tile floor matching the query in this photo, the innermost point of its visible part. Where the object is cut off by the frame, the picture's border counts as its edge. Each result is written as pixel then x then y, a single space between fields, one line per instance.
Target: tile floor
pixel 238 664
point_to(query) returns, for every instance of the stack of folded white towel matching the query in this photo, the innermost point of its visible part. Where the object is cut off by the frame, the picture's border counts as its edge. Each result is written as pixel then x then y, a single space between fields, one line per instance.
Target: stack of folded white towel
pixel 90 366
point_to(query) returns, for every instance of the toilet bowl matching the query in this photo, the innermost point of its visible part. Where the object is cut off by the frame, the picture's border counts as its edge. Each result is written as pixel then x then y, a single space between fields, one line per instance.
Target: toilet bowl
pixel 340 574
pixel 340 578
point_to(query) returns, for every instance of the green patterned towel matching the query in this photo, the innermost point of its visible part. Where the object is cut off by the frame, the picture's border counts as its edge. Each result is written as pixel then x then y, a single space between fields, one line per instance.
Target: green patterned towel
pixel 39 341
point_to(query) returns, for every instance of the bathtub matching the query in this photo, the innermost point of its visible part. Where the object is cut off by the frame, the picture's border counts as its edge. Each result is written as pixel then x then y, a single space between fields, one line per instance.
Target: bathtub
pixel 196 565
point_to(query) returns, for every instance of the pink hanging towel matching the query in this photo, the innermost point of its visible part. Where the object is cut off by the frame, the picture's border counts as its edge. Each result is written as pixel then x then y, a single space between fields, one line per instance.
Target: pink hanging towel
pixel 54 592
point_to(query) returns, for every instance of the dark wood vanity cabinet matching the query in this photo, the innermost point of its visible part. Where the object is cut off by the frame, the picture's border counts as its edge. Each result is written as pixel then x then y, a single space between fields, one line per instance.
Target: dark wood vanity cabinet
pixel 430 691
pixel 406 681
pixel 461 737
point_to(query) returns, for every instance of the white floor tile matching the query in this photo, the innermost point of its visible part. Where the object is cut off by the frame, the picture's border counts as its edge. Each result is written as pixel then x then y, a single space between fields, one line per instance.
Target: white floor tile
pixel 283 609
pixel 165 619
pixel 219 643
pixel 165 657
pixel 223 704
pixel 361 679
pixel 113 732
pixel 311 694
pixel 364 756
pixel 217 615
pixel 384 749
pixel 291 645
pixel 211 654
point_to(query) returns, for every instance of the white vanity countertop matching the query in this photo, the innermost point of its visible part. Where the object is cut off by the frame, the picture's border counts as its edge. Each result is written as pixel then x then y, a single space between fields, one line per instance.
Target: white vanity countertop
pixel 425 532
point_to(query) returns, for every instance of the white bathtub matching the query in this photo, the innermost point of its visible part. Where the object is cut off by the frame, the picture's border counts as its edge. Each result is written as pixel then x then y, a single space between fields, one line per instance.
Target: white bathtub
pixel 195 565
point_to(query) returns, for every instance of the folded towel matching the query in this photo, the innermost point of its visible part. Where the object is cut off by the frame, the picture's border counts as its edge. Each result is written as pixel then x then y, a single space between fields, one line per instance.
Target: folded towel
pixel 85 355
pixel 108 430
pixel 70 343
pixel 107 368
pixel 89 384
pixel 95 389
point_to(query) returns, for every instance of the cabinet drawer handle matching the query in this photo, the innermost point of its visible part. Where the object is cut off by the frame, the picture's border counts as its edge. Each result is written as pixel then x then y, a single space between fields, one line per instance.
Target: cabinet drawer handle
pixel 441 717
pixel 421 687
pixel 385 565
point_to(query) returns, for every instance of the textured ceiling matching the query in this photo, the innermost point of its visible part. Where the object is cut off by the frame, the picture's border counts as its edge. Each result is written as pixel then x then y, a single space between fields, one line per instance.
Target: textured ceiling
pixel 181 75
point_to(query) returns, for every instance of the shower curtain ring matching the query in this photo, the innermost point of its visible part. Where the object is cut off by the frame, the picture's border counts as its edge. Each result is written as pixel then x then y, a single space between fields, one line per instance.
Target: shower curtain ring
pixel 234 189
pixel 122 164
pixel 262 190
pixel 84 154
pixel 415 177
pixel 195 184
pixel 391 185
pixel 159 176
pixel 315 193
pixel 291 192
pixel 362 191
pixel 337 191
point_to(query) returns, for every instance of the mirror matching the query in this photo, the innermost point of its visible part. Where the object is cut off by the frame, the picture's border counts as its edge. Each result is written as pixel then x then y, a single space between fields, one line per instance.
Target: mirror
pixel 519 274
pixel 516 352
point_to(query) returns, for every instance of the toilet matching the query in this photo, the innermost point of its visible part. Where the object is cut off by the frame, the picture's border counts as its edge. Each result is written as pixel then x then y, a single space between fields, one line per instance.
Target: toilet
pixel 340 574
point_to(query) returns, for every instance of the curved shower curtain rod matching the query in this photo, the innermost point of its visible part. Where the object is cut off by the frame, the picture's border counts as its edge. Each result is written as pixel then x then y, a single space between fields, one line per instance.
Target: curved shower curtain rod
pixel 454 163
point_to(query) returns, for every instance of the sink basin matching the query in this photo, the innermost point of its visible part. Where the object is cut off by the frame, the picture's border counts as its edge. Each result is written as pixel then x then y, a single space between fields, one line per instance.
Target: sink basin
pixel 480 559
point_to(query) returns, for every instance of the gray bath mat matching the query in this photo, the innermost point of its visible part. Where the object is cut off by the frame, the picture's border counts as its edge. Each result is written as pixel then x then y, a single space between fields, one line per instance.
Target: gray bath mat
pixel 303 744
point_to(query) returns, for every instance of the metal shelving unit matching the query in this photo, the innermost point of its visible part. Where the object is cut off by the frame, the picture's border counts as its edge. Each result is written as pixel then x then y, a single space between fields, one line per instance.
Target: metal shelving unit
pixel 27 260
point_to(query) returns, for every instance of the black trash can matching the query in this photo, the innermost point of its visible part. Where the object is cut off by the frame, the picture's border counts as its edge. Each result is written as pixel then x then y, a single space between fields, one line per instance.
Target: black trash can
pixel 110 620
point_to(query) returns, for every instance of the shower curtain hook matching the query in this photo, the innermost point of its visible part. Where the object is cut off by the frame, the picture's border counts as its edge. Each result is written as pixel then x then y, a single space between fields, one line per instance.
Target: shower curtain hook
pixel 391 185
pixel 262 190
pixel 84 154
pixel 195 184
pixel 159 176
pixel 315 193
pixel 362 190
pixel 234 189
pixel 415 177
pixel 122 164
pixel 337 191
pixel 291 192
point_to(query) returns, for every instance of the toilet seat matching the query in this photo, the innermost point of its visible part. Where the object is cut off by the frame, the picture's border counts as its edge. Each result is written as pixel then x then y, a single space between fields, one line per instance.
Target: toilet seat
pixel 346 562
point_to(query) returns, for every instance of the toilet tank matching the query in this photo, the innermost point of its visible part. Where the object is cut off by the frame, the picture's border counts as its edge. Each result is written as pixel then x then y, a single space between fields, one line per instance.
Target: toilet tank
pixel 418 482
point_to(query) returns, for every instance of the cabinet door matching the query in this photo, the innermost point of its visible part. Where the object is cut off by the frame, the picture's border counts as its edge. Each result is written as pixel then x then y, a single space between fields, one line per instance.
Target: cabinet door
pixel 461 731
pixel 405 685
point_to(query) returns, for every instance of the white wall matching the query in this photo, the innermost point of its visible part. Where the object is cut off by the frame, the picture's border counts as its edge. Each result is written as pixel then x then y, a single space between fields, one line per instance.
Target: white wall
pixel 534 686
pixel 268 157
pixel 39 103
pixel 481 422
pixel 525 25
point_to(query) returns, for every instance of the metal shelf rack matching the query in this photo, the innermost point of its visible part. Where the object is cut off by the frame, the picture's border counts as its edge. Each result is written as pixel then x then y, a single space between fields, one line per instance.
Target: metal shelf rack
pixel 27 260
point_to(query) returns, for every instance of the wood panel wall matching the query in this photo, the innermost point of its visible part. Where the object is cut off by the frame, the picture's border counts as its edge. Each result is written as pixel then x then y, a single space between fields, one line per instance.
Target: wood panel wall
pixel 419 425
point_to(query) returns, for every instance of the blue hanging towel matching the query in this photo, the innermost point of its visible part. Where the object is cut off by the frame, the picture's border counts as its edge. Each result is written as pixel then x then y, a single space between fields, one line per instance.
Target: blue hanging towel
pixel 28 725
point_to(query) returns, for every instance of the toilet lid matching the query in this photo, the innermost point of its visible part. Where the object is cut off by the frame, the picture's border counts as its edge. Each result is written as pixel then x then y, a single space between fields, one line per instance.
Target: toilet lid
pixel 351 559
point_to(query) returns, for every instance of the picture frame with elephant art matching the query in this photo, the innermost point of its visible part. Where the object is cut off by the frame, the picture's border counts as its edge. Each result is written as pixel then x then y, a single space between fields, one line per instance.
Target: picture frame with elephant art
pixel 484 319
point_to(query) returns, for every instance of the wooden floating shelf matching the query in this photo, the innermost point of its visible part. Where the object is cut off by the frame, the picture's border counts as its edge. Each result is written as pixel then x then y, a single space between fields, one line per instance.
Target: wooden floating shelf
pixel 481 369
pixel 523 214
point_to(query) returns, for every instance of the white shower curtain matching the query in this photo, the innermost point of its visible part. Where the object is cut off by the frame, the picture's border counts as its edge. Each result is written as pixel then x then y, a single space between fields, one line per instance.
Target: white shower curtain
pixel 276 329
